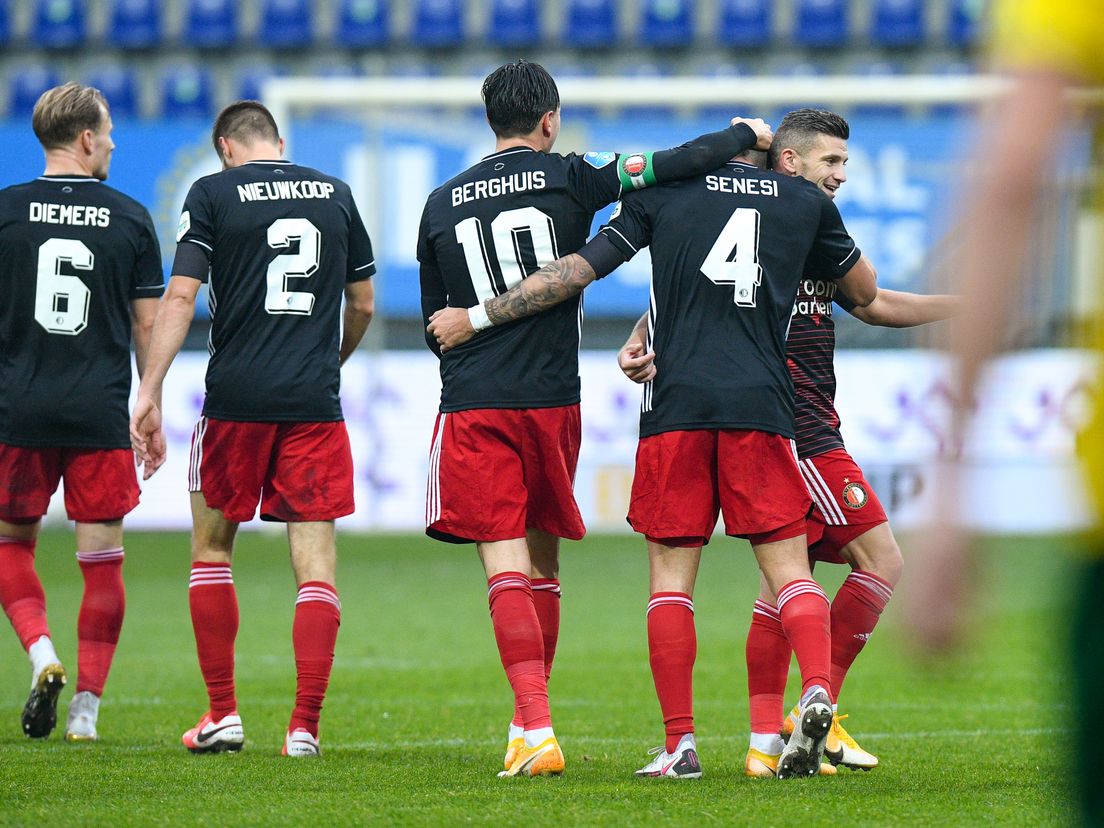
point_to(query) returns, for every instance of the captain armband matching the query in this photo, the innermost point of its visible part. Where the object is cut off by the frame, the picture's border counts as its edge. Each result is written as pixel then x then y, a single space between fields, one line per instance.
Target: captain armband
pixel 636 171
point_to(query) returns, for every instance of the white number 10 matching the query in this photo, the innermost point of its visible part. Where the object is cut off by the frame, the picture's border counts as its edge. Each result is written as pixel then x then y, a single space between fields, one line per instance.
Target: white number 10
pixel 734 257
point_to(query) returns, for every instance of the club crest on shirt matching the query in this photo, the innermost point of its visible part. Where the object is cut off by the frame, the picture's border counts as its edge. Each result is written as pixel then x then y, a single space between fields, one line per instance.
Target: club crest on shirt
pixel 854 496
pixel 616 211
pixel 599 159
pixel 184 225
pixel 635 164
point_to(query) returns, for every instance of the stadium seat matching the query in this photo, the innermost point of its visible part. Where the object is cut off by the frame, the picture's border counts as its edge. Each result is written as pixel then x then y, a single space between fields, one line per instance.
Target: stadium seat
pixel 363 24
pixel 438 23
pixel 286 24
pixel 744 23
pixel 964 22
pixel 251 77
pixel 514 23
pixel 667 23
pixel 135 24
pixel 897 23
pixel 58 24
pixel 590 23
pixel 5 22
pixel 27 84
pixel 822 23
pixel 120 86
pixel 211 24
pixel 186 92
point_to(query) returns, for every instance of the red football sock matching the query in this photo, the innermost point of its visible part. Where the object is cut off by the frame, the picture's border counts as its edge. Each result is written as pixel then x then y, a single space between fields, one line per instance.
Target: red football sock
pixel 546 601
pixel 314 633
pixel 21 592
pixel 214 606
pixel 520 645
pixel 100 618
pixel 803 608
pixel 855 611
pixel 768 664
pixel 672 648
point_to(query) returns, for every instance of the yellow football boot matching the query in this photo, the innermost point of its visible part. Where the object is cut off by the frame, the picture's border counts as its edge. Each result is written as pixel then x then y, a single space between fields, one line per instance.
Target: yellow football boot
pixel 765 765
pixel 841 747
pixel 512 749
pixel 546 759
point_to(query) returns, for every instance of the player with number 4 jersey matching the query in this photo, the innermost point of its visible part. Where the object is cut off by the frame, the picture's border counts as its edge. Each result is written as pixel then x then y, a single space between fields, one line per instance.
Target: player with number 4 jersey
pixel 81 273
pixel 506 442
pixel 279 245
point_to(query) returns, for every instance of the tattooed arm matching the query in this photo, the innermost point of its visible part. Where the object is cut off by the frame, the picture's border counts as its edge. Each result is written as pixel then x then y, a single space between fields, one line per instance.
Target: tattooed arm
pixel 548 287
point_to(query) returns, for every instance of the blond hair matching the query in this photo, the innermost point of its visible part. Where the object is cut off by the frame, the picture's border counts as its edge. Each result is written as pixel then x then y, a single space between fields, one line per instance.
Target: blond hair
pixel 64 112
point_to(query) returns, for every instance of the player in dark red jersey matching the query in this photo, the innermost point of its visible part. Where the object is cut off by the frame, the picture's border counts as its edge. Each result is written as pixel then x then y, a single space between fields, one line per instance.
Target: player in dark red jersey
pixel 506 441
pixel 848 524
pixel 728 250
pixel 278 245
pixel 81 273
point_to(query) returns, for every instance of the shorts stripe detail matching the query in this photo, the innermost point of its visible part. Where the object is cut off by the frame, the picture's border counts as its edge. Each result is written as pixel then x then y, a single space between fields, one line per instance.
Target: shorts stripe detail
pixel 802 586
pixel 670 601
pixel 875 585
pixel 195 459
pixel 101 556
pixel 519 582
pixel 317 593
pixel 822 496
pixel 433 489
pixel 769 610
pixel 210 575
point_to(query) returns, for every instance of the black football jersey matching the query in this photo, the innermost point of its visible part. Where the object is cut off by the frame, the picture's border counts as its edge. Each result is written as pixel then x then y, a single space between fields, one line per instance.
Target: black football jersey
pixel 74 253
pixel 282 241
pixel 728 250
pixel 482 233
pixel 810 356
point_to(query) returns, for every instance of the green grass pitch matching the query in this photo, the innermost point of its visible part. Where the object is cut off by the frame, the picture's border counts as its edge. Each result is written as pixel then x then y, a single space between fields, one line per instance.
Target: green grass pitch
pixel 414 726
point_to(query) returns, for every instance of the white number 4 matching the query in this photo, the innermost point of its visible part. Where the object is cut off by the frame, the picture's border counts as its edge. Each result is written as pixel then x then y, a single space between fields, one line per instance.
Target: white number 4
pixel 734 257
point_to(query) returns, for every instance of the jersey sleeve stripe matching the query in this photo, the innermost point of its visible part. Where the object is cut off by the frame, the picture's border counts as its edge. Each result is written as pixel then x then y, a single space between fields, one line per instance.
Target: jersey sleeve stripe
pixel 622 235
pixel 137 288
pixel 854 250
pixel 355 269
pixel 197 241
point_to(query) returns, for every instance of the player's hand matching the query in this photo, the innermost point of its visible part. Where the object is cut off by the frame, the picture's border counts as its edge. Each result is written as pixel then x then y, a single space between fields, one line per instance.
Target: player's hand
pixel 450 327
pixel 761 129
pixel 146 437
pixel 637 365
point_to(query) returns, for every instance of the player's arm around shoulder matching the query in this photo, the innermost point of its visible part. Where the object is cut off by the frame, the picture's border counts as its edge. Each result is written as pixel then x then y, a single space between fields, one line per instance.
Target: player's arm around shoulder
pixel 860 283
pixel 900 309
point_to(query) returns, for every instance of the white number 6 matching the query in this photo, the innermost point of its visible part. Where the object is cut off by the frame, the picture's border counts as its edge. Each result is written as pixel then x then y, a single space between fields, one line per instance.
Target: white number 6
pixel 61 302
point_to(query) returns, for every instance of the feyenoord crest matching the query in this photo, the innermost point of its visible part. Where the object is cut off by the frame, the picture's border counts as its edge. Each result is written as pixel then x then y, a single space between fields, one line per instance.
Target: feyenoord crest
pixel 854 496
pixel 635 164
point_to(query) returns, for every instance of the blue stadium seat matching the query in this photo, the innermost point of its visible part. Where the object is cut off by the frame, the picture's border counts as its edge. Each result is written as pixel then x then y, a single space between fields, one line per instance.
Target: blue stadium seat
pixel 964 22
pixel 744 23
pixel 250 78
pixel 210 24
pixel 58 24
pixel 822 23
pixel 135 24
pixel 667 23
pixel 363 24
pixel 27 84
pixel 186 92
pixel 438 23
pixel 286 24
pixel 590 23
pixel 514 23
pixel 5 22
pixel 897 23
pixel 120 86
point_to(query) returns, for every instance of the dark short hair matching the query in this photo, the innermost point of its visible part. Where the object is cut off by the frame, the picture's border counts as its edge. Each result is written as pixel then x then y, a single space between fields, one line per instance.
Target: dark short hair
pixel 517 96
pixel 801 128
pixel 246 122
pixel 64 112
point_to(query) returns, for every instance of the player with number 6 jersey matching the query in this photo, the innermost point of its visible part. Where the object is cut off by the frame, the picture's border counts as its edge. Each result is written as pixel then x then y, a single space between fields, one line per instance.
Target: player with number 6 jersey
pixel 81 273
pixel 279 245
pixel 506 442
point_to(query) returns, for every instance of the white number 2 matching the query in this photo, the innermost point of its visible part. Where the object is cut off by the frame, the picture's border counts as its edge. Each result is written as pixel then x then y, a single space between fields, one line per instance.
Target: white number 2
pixel 286 266
pixel 734 257
pixel 61 302
pixel 507 230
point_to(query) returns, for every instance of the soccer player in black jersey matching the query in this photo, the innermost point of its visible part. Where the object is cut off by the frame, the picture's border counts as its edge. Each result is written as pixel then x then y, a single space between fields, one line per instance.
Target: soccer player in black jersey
pixel 81 273
pixel 278 245
pixel 728 250
pixel 506 441
pixel 847 523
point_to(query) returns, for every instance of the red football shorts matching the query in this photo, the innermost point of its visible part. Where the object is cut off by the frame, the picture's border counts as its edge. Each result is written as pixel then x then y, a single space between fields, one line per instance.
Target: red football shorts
pixel 844 505
pixel 299 472
pixel 685 479
pixel 495 472
pixel 100 484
